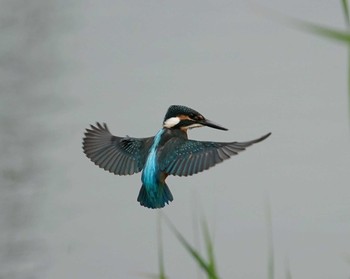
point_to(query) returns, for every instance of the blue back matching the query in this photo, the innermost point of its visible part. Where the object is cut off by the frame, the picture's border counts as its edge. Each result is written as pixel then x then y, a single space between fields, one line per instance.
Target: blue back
pixel 151 169
pixel 154 192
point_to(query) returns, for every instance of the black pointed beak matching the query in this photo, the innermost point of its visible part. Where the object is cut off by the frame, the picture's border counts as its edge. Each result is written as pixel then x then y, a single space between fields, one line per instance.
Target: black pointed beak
pixel 211 124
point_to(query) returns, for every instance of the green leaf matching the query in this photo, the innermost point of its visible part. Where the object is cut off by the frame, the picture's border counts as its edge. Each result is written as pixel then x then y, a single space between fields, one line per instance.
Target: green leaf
pixel 346 12
pixel 199 259
pixel 287 270
pixel 160 249
pixel 331 33
pixel 209 246
pixel 270 263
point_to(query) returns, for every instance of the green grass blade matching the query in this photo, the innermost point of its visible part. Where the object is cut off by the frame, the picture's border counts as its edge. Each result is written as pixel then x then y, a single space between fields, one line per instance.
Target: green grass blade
pixel 347 20
pixel 195 224
pixel 288 274
pixel 210 247
pixel 346 12
pixel 200 261
pixel 349 82
pixel 331 33
pixel 287 270
pixel 188 247
pixel 160 248
pixel 271 262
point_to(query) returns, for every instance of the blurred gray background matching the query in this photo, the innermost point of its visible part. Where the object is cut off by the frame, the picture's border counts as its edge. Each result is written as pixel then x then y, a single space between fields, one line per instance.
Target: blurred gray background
pixel 66 64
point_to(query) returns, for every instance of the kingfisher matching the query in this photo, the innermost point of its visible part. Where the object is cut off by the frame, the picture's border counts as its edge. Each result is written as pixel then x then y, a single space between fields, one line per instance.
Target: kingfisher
pixel 169 152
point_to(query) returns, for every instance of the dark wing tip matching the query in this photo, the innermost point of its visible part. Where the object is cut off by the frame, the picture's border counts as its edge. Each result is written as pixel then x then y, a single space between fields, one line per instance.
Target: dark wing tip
pixel 93 131
pixel 97 127
pixel 263 137
pixel 245 144
pixel 259 139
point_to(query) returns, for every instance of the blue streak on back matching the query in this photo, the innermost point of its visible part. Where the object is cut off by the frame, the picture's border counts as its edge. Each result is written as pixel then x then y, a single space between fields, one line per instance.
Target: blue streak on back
pixel 151 170
pixel 153 193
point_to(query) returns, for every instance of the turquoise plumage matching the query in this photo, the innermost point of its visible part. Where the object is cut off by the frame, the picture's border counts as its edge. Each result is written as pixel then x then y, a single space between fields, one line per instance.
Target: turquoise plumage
pixel 169 152
pixel 154 192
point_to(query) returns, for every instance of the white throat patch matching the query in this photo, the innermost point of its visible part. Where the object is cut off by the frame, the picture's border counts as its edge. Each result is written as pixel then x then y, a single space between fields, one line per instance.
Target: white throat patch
pixel 196 125
pixel 171 122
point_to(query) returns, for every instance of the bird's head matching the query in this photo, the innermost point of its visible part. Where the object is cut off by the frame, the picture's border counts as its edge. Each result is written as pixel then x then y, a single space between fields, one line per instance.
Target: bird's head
pixel 181 117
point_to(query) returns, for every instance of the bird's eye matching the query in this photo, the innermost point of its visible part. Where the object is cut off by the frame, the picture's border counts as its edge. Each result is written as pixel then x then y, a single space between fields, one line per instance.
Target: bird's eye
pixel 196 117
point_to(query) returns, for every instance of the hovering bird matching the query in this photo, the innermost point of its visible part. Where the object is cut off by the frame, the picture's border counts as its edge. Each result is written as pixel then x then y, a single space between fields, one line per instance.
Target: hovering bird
pixel 169 152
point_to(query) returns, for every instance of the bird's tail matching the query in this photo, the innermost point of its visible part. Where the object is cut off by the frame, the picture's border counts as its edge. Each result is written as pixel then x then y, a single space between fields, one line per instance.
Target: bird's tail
pixel 155 199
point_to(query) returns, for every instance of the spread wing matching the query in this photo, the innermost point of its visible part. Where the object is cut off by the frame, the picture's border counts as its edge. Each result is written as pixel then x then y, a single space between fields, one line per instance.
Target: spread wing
pixel 119 155
pixel 189 157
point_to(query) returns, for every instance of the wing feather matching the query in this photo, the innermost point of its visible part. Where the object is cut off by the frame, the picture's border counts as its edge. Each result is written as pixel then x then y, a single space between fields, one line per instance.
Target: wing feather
pixel 119 155
pixel 184 157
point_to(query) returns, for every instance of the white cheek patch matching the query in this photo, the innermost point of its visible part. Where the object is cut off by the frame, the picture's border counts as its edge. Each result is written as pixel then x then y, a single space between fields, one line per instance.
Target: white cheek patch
pixel 171 122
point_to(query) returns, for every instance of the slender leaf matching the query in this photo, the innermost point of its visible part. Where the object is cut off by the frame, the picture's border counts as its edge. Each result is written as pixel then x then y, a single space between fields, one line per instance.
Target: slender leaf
pixel 200 260
pixel 161 274
pixel 270 264
pixel 160 249
pixel 195 224
pixel 349 82
pixel 188 247
pixel 209 246
pixel 347 20
pixel 346 12
pixel 287 270
pixel 334 34
pixel 331 33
